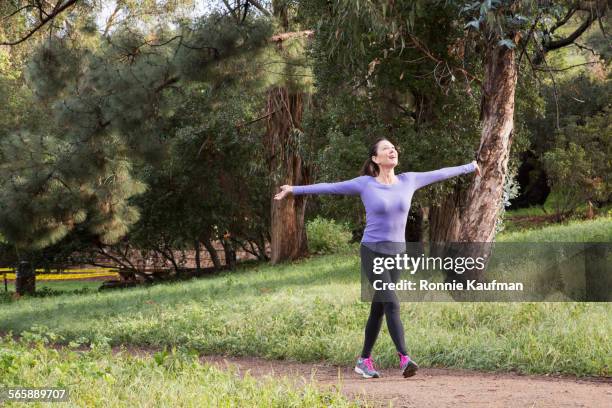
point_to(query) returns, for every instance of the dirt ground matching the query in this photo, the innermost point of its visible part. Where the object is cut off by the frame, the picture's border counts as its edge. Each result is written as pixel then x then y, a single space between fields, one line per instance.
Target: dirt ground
pixel 439 387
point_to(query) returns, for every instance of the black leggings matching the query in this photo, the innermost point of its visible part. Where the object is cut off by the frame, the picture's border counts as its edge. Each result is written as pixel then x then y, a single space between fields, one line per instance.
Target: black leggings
pixel 383 303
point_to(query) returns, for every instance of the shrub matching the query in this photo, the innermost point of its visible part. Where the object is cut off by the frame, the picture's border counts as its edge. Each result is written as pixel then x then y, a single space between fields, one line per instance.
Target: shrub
pixel 578 168
pixel 327 236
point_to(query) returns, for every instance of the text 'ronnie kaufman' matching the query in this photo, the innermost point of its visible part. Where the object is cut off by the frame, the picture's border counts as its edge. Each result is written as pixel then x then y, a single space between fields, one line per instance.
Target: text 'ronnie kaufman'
pixel 426 285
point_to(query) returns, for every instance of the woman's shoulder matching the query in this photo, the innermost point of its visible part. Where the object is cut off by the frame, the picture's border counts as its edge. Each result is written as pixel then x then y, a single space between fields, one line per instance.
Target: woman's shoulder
pixel 364 178
pixel 405 175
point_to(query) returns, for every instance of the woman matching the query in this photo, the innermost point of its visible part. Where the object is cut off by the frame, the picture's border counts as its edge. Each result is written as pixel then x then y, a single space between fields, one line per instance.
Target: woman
pixel 387 199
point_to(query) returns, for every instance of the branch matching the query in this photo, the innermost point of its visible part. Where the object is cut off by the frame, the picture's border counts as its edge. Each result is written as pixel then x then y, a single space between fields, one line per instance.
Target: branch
pixel 57 10
pixel 232 10
pixel 420 46
pixel 257 119
pixel 585 48
pixel 594 13
pixel 27 6
pixel 111 20
pixel 553 45
pixel 552 77
pixel 529 35
pixel 259 7
pixel 564 20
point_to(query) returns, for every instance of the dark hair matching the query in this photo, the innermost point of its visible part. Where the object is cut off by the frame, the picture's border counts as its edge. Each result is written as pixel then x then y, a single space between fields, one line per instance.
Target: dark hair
pixel 369 167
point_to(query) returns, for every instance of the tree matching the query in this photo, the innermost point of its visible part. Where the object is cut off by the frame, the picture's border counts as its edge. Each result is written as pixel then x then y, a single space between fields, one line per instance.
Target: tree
pixel 42 14
pixel 405 96
pixel 110 99
pixel 504 25
pixel 498 34
pixel 578 167
pixel 287 98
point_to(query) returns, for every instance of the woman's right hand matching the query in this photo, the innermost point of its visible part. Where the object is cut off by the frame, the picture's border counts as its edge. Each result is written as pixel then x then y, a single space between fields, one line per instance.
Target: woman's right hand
pixel 285 190
pixel 476 167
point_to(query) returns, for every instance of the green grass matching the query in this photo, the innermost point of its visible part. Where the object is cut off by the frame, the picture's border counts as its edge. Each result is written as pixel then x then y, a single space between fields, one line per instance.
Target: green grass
pixel 597 230
pixel 310 310
pixel 528 211
pixel 53 288
pixel 64 285
pixel 536 217
pixel 166 379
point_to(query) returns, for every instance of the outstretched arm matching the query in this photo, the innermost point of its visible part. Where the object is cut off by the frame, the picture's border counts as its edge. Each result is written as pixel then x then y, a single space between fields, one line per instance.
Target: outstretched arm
pixel 348 187
pixel 422 179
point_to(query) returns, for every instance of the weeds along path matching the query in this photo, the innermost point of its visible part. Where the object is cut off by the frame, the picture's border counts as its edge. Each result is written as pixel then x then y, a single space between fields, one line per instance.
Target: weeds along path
pixel 431 387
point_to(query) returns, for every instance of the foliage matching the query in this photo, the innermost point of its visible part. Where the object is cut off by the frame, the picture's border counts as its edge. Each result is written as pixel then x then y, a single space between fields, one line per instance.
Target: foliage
pixel 597 230
pixel 327 236
pixel 112 100
pixel 579 167
pixel 171 377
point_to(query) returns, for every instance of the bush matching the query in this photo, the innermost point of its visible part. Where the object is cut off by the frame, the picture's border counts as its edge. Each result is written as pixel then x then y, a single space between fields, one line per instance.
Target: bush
pixel 578 168
pixel 327 236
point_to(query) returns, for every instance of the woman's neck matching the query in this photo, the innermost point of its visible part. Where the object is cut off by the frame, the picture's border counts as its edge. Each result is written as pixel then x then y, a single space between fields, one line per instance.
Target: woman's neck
pixel 386 175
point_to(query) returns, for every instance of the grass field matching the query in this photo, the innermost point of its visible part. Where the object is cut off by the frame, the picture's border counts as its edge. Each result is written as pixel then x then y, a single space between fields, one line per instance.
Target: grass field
pixel 63 285
pixel 597 230
pixel 537 217
pixel 310 310
pixel 99 378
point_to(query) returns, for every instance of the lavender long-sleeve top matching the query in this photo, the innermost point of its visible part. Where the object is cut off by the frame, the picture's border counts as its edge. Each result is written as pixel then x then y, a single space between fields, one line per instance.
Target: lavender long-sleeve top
pixel 386 205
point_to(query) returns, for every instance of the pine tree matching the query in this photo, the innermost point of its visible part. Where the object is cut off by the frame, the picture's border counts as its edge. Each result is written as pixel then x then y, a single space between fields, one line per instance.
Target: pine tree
pixel 110 100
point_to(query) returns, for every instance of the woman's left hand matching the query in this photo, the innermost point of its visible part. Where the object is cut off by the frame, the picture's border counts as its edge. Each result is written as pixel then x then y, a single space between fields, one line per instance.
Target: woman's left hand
pixel 477 167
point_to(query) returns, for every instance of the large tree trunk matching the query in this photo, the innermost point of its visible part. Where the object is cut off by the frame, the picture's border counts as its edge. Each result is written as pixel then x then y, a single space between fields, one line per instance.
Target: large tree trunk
pixel 25 279
pixel 444 217
pixel 229 251
pixel 196 246
pixel 497 113
pixel 212 251
pixel 444 222
pixel 286 167
pixel 476 223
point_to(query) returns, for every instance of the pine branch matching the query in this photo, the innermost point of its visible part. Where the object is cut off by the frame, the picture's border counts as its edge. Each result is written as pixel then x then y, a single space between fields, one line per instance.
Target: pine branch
pixel 59 8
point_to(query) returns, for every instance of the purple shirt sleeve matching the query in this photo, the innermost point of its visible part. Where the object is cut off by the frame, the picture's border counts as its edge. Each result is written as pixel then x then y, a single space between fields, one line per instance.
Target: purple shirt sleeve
pixel 421 179
pixel 349 187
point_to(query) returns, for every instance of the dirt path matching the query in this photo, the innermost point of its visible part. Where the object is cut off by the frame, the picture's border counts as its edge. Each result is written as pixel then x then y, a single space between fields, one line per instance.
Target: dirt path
pixel 430 387
pixel 440 387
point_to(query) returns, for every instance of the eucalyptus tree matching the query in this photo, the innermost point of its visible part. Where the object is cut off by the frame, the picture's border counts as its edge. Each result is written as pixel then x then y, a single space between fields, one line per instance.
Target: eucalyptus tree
pixel 485 43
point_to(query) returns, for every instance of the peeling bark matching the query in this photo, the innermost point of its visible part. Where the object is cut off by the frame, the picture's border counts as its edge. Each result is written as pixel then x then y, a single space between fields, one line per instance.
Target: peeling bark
pixel 288 233
pixel 444 218
pixel 483 199
pixel 484 196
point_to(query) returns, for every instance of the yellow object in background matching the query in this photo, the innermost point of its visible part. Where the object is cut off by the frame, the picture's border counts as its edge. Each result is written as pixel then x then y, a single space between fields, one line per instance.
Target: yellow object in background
pixel 72 275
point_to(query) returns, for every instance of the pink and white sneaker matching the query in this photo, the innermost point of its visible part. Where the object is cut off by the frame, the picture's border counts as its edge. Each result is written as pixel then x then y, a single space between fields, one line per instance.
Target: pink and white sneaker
pixel 365 367
pixel 408 367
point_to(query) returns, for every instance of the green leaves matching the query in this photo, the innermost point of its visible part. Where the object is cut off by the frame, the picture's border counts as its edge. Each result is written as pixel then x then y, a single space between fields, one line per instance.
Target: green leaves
pixel 113 101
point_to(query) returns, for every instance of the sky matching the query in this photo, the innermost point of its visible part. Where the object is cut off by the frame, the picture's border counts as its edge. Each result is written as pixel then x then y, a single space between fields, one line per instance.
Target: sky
pixel 199 8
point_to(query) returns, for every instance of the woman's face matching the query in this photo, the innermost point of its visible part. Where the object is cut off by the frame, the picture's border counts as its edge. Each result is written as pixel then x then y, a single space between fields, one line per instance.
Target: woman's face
pixel 386 155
